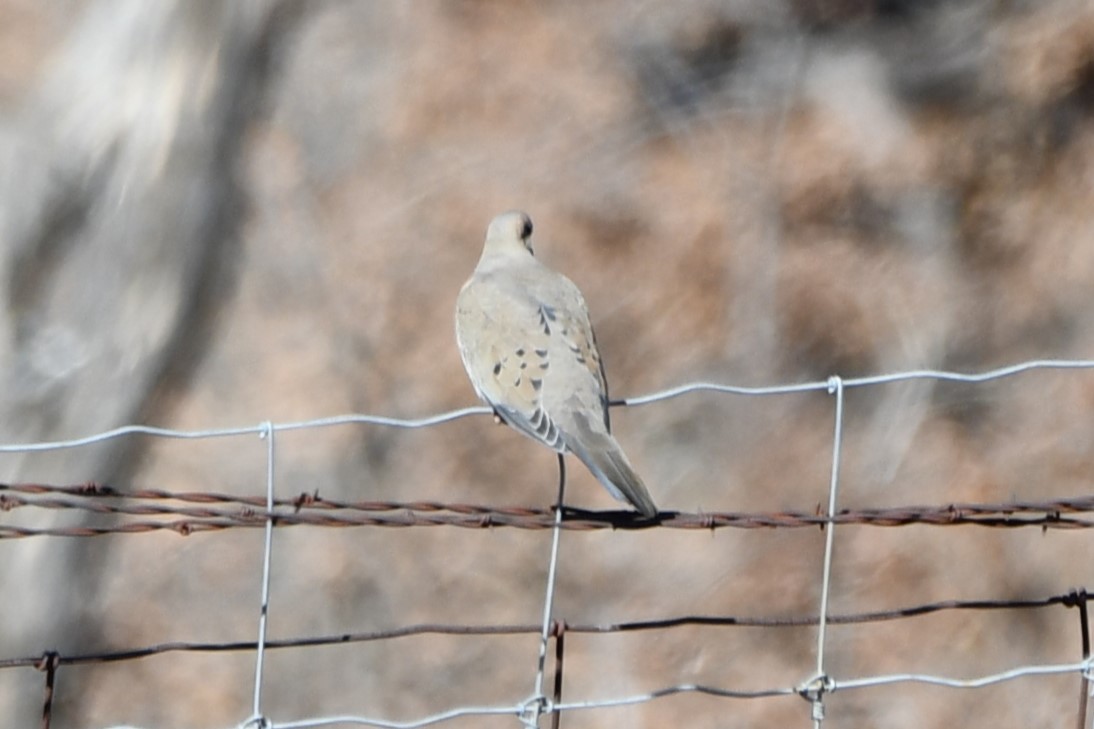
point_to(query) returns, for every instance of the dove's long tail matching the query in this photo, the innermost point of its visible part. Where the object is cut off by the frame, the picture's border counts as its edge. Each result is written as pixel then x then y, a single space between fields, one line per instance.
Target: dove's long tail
pixel 605 458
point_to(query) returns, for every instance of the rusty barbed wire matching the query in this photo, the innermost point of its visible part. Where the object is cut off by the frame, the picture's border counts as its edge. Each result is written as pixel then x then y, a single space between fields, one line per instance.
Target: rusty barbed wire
pixel 313 510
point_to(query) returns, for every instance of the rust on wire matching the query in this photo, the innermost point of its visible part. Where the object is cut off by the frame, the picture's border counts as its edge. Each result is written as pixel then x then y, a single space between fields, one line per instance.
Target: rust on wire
pixel 48 663
pixel 558 632
pixel 186 513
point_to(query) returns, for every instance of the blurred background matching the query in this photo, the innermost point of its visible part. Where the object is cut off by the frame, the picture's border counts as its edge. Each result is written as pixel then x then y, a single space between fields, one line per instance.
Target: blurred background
pixel 213 214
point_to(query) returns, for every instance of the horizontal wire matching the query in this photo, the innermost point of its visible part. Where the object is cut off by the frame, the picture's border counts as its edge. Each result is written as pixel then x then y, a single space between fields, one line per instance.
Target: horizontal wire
pixel 831 685
pixel 1070 599
pixel 969 683
pixel 312 510
pixel 312 500
pixel 822 385
pixel 258 429
pixel 305 501
pixel 439 418
pixel 684 688
pixel 385 724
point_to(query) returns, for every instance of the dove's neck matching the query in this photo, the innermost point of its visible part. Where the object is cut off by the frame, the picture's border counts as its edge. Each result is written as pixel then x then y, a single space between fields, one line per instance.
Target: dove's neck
pixel 502 256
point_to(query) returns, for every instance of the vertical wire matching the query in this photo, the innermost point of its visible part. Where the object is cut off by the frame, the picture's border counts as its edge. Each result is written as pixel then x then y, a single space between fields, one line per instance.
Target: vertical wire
pixel 268 434
pixel 549 597
pixel 1085 686
pixel 835 387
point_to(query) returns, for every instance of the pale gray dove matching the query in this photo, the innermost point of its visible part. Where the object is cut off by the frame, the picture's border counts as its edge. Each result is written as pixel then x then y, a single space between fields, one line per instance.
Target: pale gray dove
pixel 529 349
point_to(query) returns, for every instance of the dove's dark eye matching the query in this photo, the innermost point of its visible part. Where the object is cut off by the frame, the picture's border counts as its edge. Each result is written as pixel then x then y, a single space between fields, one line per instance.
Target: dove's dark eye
pixel 525 228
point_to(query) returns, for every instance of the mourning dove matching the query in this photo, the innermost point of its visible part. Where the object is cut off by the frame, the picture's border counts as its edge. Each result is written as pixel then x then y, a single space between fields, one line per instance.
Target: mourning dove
pixel 529 349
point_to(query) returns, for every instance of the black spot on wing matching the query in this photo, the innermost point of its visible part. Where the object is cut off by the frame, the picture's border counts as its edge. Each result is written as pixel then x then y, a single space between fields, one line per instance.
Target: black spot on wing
pixel 546 314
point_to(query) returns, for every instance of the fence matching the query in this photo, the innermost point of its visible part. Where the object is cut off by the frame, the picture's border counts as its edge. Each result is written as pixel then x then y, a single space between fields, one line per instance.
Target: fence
pixel 192 513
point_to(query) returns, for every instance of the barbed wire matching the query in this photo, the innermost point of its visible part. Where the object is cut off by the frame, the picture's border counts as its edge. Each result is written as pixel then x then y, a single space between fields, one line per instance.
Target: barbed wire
pixel 312 510
pixel 192 512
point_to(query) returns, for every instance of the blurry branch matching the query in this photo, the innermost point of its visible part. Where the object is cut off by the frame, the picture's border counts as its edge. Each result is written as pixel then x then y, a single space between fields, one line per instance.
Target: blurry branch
pixel 119 205
pixel 119 209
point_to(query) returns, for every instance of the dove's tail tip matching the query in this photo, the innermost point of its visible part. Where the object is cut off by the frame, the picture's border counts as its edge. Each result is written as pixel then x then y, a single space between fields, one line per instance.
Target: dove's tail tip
pixel 612 469
pixel 640 499
pixel 634 490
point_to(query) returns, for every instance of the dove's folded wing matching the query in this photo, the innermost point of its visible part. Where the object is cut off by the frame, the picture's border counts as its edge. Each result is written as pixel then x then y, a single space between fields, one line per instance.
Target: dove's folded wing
pixel 505 345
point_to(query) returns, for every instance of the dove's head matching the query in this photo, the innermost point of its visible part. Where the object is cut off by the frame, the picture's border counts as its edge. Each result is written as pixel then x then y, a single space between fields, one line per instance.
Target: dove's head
pixel 509 233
